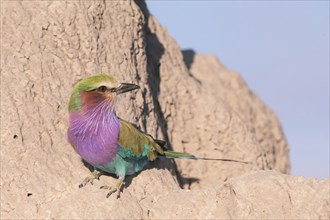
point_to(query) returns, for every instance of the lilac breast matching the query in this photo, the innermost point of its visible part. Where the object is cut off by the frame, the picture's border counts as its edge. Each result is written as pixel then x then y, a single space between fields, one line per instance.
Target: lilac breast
pixel 93 133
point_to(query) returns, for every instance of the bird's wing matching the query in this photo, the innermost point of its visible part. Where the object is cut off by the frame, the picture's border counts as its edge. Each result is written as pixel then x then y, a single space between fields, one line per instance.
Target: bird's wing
pixel 135 143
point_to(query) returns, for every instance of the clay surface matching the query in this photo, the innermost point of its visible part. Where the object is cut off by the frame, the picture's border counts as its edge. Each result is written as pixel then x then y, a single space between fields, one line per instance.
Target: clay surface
pixel 190 100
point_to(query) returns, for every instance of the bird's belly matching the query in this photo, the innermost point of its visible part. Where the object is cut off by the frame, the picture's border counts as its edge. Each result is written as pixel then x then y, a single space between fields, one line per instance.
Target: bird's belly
pixel 123 166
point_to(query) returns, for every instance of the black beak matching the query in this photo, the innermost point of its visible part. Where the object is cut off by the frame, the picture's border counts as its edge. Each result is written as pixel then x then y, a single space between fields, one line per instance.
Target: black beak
pixel 126 87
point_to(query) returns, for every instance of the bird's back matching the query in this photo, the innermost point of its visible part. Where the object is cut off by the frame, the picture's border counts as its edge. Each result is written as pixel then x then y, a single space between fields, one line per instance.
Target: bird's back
pixel 135 143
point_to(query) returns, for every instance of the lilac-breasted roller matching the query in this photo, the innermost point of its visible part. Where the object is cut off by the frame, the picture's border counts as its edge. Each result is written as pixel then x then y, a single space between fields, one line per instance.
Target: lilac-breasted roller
pixel 105 141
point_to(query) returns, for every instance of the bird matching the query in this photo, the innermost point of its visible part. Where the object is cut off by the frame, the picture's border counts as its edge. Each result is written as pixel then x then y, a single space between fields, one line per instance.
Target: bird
pixel 104 140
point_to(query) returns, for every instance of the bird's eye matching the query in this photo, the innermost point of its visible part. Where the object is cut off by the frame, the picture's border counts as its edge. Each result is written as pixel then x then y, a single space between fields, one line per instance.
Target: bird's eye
pixel 102 89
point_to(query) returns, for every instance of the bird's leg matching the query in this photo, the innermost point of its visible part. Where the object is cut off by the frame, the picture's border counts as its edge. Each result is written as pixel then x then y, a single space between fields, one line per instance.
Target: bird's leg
pixel 90 178
pixel 111 189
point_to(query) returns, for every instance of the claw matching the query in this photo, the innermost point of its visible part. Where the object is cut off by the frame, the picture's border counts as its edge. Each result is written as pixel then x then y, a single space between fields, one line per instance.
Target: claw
pixel 90 178
pixel 114 189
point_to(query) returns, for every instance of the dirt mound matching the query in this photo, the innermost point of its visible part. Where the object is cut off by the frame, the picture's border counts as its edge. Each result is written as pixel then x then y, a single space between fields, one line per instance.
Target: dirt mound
pixel 190 100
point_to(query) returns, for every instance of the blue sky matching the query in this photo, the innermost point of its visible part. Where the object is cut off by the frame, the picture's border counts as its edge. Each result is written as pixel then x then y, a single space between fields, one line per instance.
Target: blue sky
pixel 281 48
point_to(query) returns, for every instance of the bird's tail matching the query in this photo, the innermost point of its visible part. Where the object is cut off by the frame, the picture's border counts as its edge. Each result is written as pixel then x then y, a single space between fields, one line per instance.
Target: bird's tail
pixel 173 154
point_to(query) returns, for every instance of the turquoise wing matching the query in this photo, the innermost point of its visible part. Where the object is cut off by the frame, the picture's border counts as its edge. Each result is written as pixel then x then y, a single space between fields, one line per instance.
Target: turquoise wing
pixel 135 144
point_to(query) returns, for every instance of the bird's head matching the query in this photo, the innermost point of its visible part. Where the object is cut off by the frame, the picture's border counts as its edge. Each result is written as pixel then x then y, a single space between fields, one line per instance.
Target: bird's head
pixel 95 89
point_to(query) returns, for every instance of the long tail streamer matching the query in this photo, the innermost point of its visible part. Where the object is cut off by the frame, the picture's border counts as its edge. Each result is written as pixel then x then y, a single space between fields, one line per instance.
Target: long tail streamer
pixel 173 154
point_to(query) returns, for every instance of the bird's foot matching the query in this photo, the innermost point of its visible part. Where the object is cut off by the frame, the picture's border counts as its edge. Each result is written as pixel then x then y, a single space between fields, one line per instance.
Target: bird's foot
pixel 116 189
pixel 90 178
